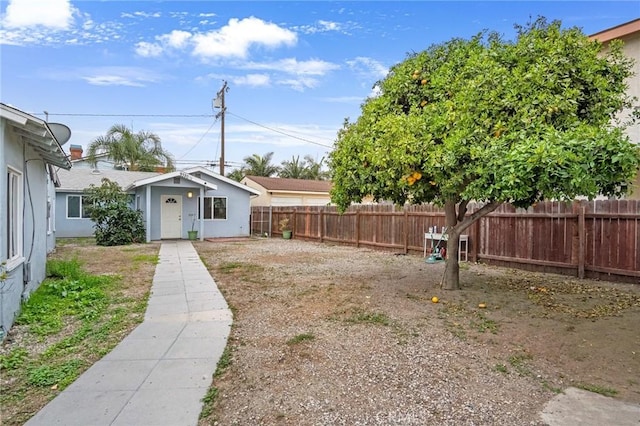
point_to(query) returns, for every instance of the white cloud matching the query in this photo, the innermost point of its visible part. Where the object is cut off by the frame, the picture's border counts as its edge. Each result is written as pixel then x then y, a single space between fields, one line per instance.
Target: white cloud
pixel 148 50
pixel 119 76
pixel 230 41
pixel 141 15
pixel 300 83
pixel 176 39
pixel 322 26
pixel 368 68
pixel 238 36
pixel 56 14
pixel 295 67
pixel 253 80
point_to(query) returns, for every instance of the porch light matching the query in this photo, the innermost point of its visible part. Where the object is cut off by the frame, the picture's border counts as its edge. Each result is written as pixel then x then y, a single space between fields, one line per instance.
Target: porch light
pixel 189 194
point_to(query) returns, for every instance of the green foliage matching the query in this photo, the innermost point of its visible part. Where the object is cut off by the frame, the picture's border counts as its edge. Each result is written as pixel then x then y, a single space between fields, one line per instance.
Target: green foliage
pixel 61 374
pixel 308 168
pixel 115 222
pixel 224 362
pixel 501 368
pixel 304 337
pixel 66 291
pixel 598 389
pixel 256 165
pixel 136 151
pixel 369 318
pixel 14 359
pixel 491 120
pixel 208 400
pixel 236 175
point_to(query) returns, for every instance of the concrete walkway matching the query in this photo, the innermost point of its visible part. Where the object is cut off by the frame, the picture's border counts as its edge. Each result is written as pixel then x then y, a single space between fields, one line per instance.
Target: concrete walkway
pixel 159 373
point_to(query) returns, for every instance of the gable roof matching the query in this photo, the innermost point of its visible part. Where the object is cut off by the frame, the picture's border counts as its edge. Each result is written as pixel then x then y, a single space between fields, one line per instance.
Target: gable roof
pixel 36 133
pixel 78 179
pixel 189 175
pixel 618 31
pixel 293 185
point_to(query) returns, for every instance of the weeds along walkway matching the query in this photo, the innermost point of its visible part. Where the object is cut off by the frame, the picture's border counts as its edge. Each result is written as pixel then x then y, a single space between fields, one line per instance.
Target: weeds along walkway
pixel 158 374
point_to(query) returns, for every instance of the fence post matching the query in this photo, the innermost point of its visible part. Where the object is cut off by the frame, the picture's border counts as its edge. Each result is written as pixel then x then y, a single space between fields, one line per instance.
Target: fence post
pixel 406 230
pixel 581 242
pixel 270 220
pixel 321 224
pixel 357 227
pixel 293 227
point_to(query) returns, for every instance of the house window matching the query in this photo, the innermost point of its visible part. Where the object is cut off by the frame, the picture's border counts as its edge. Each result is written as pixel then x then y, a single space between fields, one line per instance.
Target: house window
pixel 14 217
pixel 214 208
pixel 77 207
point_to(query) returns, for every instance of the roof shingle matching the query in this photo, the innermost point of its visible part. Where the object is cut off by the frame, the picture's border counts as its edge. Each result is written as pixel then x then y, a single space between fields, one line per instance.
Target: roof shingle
pixel 298 185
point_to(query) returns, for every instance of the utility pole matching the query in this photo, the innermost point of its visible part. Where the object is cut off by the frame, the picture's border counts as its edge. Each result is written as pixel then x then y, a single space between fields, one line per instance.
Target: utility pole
pixel 219 103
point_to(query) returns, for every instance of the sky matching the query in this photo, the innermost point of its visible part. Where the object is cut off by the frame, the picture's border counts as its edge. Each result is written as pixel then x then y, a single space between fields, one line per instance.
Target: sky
pixel 294 70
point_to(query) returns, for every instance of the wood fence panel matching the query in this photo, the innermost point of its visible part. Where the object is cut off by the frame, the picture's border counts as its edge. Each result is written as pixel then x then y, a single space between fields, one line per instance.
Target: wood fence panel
pixel 585 238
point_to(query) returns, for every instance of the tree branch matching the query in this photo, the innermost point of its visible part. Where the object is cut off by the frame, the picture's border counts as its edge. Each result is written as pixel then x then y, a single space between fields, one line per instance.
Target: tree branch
pixel 483 211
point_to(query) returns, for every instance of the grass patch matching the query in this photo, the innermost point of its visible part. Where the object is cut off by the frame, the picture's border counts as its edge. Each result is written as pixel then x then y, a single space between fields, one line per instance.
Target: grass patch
pixel 597 389
pixel 484 324
pixel 501 368
pixel 304 337
pixel 362 317
pixel 146 258
pixel 519 363
pixel 232 267
pixel 14 359
pixel 67 292
pixel 224 362
pixel 208 400
pixel 61 374
pixel 71 321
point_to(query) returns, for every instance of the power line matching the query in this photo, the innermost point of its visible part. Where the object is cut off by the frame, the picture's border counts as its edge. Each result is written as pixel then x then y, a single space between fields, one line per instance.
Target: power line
pixel 72 114
pixel 200 140
pixel 279 131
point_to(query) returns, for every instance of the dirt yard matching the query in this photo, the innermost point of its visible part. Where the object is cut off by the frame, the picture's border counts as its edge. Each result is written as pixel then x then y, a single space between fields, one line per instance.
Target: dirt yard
pixel 337 335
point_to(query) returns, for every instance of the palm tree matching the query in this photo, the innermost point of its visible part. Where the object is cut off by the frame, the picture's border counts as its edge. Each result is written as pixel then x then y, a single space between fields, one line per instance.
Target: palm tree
pixel 256 165
pixel 236 174
pixel 294 169
pixel 141 151
pixel 314 169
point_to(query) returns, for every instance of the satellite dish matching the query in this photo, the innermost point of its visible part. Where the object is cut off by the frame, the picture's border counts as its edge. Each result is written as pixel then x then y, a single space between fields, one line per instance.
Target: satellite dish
pixel 61 132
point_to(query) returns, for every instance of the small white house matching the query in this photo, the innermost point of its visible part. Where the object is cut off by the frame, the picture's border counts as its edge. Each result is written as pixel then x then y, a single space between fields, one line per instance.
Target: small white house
pixel 30 153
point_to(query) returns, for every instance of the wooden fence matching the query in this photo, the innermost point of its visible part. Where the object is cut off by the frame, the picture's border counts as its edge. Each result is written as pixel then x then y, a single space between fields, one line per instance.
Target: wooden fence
pixel 595 239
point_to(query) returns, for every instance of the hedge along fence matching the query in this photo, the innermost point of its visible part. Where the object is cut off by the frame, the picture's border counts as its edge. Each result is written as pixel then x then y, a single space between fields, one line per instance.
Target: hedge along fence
pixel 594 239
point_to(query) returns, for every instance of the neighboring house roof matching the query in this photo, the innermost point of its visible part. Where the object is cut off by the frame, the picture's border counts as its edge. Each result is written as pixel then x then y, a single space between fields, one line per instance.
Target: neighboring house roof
pixel 78 179
pixel 291 185
pixel 37 134
pixel 618 31
pixel 189 175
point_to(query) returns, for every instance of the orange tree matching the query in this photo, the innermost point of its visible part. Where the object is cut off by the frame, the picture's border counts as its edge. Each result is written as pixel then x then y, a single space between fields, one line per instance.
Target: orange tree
pixel 492 121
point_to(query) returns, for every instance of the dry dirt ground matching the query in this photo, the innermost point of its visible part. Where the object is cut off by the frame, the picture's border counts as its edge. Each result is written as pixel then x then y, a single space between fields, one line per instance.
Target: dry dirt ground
pixel 334 335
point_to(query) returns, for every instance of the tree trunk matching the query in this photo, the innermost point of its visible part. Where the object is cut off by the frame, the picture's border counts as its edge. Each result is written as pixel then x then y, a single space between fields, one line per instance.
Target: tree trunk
pixel 457 221
pixel 451 278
